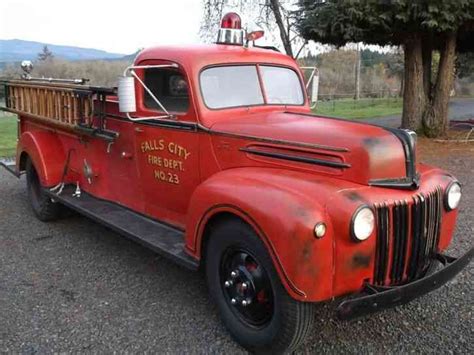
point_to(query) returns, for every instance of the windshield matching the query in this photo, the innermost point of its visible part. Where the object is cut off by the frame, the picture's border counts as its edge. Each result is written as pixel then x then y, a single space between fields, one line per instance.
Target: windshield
pixel 233 86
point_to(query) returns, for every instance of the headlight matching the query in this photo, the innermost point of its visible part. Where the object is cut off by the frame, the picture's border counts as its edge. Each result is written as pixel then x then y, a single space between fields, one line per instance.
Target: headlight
pixel 320 230
pixel 452 196
pixel 363 223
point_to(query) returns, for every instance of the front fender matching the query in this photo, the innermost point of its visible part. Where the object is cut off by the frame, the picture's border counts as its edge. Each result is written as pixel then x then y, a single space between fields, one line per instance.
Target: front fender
pixel 47 154
pixel 283 207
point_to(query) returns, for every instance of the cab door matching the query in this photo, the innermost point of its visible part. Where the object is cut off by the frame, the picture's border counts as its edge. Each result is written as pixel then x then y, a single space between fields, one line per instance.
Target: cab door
pixel 166 148
pixel 121 170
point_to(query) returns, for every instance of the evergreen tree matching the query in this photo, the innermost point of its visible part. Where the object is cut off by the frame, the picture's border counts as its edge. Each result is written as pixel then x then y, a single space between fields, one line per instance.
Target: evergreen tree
pixel 45 54
pixel 420 27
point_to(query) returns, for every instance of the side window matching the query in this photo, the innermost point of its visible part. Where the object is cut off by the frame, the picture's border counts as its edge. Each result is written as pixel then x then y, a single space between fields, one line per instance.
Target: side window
pixel 170 87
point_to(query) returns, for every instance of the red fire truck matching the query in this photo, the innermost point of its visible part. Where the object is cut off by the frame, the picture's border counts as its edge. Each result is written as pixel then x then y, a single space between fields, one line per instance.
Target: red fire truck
pixel 211 156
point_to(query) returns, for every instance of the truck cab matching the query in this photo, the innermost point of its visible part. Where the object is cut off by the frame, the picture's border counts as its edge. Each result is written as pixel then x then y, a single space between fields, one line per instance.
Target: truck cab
pixel 211 155
pixel 199 87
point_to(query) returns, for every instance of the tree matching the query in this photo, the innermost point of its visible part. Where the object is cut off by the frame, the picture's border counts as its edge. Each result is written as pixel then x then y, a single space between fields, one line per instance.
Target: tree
pixel 420 27
pixel 271 15
pixel 45 54
pixel 465 65
pixel 336 73
pixel 394 64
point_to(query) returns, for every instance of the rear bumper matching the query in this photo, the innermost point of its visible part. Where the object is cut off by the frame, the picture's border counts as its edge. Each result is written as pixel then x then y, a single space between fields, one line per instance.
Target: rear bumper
pixel 375 298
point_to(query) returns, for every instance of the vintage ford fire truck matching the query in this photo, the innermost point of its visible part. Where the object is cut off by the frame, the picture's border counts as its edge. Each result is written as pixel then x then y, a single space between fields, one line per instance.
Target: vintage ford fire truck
pixel 211 156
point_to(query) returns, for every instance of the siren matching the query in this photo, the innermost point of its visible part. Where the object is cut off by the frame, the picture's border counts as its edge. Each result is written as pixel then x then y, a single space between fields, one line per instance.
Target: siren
pixel 231 30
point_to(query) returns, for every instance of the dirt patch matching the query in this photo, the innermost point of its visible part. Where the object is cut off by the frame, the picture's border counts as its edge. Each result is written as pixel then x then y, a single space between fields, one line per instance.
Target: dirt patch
pixel 457 159
pixel 445 153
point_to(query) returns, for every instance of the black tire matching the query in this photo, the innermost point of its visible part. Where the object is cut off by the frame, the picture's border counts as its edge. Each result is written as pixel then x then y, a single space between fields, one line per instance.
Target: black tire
pixel 43 207
pixel 290 321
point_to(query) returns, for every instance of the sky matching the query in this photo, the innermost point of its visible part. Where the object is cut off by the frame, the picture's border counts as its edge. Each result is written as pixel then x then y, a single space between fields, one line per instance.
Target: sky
pixel 115 26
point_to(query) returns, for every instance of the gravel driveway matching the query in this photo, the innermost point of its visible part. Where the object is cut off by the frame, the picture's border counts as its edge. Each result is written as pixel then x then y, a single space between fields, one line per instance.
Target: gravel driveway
pixel 74 286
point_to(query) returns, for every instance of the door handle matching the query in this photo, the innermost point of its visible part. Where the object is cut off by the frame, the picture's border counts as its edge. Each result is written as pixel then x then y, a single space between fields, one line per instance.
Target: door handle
pixel 138 129
pixel 126 155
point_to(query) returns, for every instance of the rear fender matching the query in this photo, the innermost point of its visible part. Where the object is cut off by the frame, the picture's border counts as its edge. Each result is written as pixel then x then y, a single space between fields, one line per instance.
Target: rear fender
pixel 282 215
pixel 46 151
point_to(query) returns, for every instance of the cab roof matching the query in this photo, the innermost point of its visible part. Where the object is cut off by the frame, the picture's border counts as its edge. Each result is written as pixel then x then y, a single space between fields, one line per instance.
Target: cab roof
pixel 196 57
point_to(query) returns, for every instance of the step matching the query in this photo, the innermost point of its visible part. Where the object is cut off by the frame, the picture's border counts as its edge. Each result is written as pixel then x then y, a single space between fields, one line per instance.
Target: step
pixel 159 237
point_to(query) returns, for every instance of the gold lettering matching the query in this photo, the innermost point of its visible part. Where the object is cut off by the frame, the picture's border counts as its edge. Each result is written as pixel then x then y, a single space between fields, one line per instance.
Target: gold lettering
pixel 169 164
pixel 145 147
pixel 160 175
pixel 178 150
pixel 166 177
pixel 152 145
pixel 172 164
pixel 154 160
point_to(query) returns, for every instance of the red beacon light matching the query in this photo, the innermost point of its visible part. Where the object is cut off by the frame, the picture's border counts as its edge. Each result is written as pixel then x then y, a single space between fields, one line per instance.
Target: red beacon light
pixel 231 30
pixel 231 20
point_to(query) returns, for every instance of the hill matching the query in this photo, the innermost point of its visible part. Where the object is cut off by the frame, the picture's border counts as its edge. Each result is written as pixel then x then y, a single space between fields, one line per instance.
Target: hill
pixel 15 50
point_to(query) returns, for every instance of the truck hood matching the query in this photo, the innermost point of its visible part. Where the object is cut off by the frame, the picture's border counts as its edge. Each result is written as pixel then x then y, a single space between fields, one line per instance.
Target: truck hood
pixel 348 149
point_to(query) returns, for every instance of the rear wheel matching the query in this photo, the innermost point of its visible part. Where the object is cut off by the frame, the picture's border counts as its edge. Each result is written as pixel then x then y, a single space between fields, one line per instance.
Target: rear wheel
pixel 43 207
pixel 253 303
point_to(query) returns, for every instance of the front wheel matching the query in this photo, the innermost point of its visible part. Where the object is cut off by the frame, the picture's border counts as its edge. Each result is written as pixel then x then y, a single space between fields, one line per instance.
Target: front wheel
pixel 43 207
pixel 253 303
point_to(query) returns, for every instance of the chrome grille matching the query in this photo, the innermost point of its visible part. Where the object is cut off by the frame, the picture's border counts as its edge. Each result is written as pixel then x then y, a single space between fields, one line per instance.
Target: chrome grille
pixel 407 237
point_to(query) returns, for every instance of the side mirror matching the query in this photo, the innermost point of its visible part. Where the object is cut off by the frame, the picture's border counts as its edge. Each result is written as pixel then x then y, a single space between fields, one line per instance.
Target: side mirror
pixel 312 84
pixel 314 88
pixel 126 94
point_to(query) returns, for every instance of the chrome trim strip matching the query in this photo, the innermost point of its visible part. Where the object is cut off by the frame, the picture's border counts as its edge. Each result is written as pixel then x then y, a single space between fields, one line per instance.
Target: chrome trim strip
pixel 300 159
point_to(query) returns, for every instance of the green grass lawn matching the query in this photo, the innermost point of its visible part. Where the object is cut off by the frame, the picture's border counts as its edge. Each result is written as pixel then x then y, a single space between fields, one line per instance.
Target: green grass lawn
pixel 363 108
pixel 8 132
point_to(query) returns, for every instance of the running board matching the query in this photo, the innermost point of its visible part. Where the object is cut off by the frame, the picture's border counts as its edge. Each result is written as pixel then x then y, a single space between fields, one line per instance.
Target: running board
pixel 161 238
pixel 10 166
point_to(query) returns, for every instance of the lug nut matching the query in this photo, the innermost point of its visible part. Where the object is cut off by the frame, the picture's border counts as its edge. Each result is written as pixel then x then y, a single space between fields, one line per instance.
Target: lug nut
pixel 245 286
pixel 246 303
pixel 228 283
pixel 233 301
pixel 234 274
